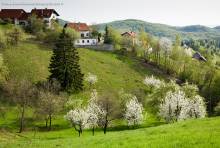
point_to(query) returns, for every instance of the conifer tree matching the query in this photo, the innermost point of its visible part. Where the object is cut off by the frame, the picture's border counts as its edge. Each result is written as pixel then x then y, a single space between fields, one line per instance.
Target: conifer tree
pixel 64 64
pixel 107 39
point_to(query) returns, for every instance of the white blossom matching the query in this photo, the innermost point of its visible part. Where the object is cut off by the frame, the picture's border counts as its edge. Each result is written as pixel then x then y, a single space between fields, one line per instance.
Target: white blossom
pixel 78 118
pixel 165 44
pixel 134 112
pixel 91 78
pixel 153 82
pixel 194 109
pixel 172 105
pixel 176 106
pixel 93 110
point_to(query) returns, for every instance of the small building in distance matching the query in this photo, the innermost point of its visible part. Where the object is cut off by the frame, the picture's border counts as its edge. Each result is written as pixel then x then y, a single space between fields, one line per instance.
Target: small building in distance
pixel 131 35
pixel 20 16
pixel 199 57
pixel 85 34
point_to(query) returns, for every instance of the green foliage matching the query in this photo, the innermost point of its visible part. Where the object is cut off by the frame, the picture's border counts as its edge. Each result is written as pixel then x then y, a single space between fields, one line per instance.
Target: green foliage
pixel 112 36
pixel 72 34
pixel 15 35
pixel 3 70
pixel 35 24
pixel 64 66
pixel 107 38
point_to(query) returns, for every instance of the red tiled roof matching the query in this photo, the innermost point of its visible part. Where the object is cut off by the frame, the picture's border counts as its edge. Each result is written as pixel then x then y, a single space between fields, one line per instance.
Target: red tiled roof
pixel 78 26
pixel 131 34
pixel 43 12
pixel 19 14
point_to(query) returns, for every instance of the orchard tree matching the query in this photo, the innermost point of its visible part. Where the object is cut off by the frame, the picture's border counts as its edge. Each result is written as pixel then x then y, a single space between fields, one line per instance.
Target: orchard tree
pixel 176 106
pixel 153 82
pixel 109 110
pixel 23 94
pixel 133 112
pixel 78 118
pixel 93 110
pixel 64 64
pixel 50 101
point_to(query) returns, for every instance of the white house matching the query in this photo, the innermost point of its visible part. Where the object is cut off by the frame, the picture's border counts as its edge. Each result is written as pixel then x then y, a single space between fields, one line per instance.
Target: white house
pixel 85 34
pixel 46 14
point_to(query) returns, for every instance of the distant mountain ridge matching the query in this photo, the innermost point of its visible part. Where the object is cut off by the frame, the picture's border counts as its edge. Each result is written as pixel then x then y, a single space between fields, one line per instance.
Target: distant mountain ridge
pixel 162 30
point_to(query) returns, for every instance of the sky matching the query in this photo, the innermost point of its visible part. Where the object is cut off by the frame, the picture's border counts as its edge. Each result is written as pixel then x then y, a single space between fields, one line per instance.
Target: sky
pixel 171 12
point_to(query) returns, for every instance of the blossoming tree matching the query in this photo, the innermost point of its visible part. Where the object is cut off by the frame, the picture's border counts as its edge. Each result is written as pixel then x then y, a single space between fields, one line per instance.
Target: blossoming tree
pixel 176 106
pixel 134 112
pixel 78 118
pixel 93 111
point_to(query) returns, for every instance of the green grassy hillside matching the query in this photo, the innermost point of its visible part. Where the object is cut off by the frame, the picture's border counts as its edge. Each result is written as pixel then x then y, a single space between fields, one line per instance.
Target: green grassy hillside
pixel 202 133
pixel 114 72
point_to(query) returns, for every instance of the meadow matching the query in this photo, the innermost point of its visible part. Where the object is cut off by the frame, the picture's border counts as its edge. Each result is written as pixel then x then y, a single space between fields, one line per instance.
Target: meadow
pixel 202 133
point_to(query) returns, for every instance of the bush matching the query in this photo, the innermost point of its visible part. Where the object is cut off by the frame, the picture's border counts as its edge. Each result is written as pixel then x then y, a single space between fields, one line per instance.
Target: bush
pixel 2 40
pixel 41 36
pixel 50 37
pixel 15 35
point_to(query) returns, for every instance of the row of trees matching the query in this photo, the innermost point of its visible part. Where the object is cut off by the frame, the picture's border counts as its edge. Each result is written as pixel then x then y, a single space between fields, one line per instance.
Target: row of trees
pixel 168 101
pixel 101 110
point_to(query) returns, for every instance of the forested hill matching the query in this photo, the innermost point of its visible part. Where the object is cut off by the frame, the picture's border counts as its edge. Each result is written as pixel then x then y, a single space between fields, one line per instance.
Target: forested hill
pixel 161 30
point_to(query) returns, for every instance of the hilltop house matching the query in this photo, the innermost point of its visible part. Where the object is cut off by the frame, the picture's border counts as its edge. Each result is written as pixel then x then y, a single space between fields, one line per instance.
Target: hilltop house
pixel 85 34
pixel 20 17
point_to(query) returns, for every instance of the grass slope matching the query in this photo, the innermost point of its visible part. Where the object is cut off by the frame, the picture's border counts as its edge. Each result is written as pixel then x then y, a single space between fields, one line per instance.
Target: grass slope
pixel 203 133
pixel 31 60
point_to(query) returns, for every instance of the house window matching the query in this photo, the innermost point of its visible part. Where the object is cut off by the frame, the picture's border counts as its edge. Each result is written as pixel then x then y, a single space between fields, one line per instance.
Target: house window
pixel 87 41
pixel 87 34
pixel 82 35
pixel 83 41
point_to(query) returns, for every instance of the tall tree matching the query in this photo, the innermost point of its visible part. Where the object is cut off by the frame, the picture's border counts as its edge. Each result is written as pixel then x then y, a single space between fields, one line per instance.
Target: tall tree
pixel 107 38
pixel 64 65
pixel 23 95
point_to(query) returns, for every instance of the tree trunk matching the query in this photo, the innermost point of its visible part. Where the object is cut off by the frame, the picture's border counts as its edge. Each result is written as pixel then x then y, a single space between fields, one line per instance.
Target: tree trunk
pixel 46 120
pixel 93 131
pixel 50 118
pixel 105 127
pixel 22 119
pixel 79 132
